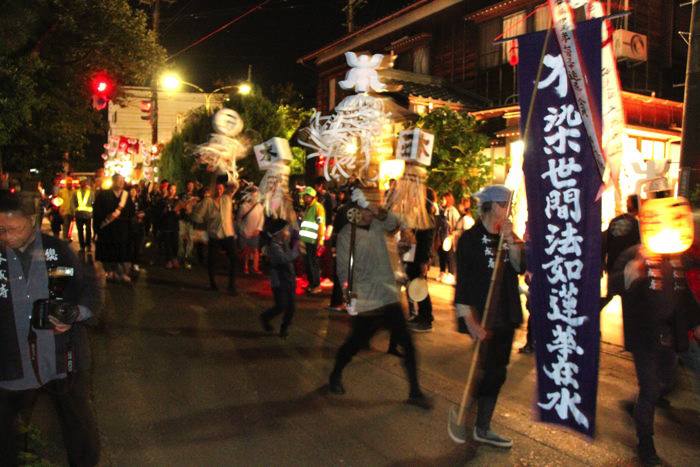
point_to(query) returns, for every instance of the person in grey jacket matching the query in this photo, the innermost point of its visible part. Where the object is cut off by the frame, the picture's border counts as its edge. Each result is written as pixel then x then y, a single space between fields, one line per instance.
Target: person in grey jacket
pixel 281 255
pixel 375 293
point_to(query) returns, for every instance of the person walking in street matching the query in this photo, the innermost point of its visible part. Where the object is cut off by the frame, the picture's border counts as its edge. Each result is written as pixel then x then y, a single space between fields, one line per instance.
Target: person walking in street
pixel 250 219
pixel 340 219
pixel 281 255
pixel 423 321
pixel 476 255
pixel 137 230
pixel 50 356
pixel 374 295
pixel 313 226
pixel 659 313
pixel 169 223
pixel 217 214
pixel 82 202
pixel 446 226
pixel 186 227
pixel 65 209
pixel 112 214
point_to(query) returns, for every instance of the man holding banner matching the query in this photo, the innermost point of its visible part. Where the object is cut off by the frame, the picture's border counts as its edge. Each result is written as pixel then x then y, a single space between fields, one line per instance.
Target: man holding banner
pixel 476 256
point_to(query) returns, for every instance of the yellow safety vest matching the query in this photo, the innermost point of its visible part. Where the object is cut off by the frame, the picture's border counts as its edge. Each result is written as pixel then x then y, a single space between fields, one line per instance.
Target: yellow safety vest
pixel 83 202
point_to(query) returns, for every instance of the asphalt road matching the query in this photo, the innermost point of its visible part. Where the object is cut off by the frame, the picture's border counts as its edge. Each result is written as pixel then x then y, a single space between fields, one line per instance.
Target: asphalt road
pixel 186 377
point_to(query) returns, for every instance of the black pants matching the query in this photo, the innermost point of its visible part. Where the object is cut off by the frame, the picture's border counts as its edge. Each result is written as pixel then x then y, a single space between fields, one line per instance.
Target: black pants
pixel 656 367
pixel 78 426
pixel 84 226
pixel 313 272
pixel 228 244
pixel 136 241
pixel 337 293
pixel 425 308
pixel 364 327
pixel 284 296
pixel 493 363
pixel 170 244
pixel 447 260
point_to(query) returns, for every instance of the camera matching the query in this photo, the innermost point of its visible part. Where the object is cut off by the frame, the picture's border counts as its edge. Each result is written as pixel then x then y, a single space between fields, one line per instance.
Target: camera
pixel 55 305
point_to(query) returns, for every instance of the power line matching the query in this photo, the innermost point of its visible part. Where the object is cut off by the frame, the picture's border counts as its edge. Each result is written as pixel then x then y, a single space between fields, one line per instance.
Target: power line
pixel 178 15
pixel 219 29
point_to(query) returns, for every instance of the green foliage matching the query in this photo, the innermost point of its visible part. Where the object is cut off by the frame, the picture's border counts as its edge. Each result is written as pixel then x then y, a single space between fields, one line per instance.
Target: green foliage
pixel 177 162
pixel 292 118
pixel 459 164
pixel 263 120
pixel 49 50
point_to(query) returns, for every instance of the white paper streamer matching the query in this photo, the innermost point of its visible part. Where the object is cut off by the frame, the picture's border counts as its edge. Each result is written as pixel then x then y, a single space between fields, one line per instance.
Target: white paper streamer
pixel 224 147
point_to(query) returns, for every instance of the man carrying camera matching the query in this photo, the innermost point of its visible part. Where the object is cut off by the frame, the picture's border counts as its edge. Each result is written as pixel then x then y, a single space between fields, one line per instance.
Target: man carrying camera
pixel 44 299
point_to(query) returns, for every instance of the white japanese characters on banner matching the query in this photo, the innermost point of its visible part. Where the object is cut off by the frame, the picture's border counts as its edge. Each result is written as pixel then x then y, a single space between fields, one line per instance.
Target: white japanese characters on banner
pixel 562 181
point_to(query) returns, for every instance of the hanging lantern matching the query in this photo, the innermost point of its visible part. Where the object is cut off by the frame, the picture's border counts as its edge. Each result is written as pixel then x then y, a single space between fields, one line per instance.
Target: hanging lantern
pixel 666 225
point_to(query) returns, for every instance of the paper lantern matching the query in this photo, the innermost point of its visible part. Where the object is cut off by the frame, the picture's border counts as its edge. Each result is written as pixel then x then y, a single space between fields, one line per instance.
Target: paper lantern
pixel 415 145
pixel 272 151
pixel 666 225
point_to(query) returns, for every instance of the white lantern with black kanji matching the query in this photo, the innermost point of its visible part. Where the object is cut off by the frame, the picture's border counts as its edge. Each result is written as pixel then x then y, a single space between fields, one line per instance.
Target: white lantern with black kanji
pixel 272 151
pixel 415 145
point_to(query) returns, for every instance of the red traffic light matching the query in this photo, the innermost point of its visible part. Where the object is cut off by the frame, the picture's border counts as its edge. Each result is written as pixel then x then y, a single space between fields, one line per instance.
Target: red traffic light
pixel 102 85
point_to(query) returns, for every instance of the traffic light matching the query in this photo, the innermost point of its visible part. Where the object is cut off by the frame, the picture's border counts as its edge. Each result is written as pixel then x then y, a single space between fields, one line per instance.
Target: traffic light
pixel 102 88
pixel 146 110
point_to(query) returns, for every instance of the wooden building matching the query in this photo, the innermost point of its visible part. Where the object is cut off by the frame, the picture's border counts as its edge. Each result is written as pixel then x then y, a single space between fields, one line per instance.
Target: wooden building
pixel 446 56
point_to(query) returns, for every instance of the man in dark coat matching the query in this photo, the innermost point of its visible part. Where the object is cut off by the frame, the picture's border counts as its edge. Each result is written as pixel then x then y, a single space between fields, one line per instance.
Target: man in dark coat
pixel 658 312
pixel 476 256
pixel 112 215
pixel 53 357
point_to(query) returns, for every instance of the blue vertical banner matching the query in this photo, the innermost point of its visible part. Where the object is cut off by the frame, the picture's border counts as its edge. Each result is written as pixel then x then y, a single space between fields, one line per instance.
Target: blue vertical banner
pixel 564 225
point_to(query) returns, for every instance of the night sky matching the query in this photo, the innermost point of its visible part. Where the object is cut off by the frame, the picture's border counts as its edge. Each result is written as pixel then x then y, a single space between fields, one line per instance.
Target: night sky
pixel 271 39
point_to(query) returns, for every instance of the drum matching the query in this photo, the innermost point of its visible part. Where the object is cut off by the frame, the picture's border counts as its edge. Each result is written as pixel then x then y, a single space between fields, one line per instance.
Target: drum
pixel 418 289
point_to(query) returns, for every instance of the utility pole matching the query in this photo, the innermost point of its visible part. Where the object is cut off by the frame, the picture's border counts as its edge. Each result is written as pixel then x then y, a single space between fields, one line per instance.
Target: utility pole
pixel 154 80
pixel 690 144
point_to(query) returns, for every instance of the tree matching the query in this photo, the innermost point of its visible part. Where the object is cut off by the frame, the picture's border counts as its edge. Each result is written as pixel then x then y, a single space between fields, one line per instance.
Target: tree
pixel 459 163
pixel 49 50
pixel 263 120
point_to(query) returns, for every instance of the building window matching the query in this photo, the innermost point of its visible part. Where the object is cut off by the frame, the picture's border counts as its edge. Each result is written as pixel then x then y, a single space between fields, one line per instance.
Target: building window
pixel 513 25
pixel 490 54
pixel 541 18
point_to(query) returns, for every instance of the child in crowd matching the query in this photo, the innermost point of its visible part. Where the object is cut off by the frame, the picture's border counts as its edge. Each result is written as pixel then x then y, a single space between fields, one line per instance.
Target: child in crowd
pixel 281 255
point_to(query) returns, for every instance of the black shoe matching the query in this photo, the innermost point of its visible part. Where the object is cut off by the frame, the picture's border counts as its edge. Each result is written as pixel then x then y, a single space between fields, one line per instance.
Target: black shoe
pixel 420 400
pixel 265 324
pixel 335 385
pixel 232 291
pixel 395 351
pixel 462 326
pixel 420 326
pixel 489 437
pixel 283 333
pixel 647 452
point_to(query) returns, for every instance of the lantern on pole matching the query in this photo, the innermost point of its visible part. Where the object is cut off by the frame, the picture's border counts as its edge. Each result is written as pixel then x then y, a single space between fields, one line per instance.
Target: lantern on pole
pixel 666 224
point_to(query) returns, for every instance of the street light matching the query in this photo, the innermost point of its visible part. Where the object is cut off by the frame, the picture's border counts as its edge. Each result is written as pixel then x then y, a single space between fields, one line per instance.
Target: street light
pixel 171 82
pixel 244 89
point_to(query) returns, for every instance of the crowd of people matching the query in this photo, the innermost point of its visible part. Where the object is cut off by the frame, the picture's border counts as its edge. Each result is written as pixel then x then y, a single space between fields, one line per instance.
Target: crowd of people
pixel 318 246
